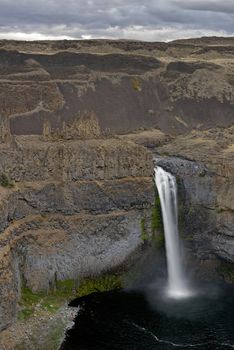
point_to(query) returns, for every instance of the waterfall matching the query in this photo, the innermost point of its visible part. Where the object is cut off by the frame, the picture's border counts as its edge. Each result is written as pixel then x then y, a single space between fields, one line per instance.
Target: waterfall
pixel 167 189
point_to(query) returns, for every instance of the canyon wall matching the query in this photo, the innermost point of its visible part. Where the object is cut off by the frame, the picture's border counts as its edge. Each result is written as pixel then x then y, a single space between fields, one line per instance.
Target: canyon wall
pixel 80 124
pixel 126 85
pixel 204 165
pixel 74 211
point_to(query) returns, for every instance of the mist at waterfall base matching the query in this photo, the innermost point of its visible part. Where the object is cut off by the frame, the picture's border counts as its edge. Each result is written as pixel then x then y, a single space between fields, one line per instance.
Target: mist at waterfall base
pixel 165 311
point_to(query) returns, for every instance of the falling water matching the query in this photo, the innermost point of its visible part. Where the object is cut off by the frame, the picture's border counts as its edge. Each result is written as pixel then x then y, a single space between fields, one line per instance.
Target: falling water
pixel 167 189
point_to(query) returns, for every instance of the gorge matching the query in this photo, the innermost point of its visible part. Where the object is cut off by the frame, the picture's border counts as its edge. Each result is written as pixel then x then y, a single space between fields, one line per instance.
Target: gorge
pixel 81 123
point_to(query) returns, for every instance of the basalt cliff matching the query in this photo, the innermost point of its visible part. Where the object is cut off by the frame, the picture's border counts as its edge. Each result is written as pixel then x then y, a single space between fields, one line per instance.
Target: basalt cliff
pixel 82 124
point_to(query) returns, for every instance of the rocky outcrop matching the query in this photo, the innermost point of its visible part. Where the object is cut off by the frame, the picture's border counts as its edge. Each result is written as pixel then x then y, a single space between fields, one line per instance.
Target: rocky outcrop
pixel 74 211
pixel 30 159
pixel 205 175
pixel 84 127
pixel 174 87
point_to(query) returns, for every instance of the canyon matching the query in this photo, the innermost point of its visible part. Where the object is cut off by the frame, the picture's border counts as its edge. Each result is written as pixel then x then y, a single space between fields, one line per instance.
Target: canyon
pixel 82 124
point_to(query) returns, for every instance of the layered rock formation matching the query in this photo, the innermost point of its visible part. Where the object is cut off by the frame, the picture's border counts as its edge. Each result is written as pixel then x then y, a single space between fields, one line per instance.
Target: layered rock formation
pixel 204 165
pixel 80 125
pixel 74 211
pixel 127 85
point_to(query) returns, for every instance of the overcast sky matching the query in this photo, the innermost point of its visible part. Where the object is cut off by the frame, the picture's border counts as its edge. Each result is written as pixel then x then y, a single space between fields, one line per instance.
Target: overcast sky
pixel 153 20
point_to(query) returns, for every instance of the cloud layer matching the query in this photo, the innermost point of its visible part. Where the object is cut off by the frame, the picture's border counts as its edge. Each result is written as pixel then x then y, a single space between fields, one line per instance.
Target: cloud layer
pixel 154 20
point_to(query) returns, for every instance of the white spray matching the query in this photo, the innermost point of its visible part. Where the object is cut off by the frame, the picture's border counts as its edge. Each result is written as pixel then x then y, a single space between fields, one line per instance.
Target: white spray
pixel 167 189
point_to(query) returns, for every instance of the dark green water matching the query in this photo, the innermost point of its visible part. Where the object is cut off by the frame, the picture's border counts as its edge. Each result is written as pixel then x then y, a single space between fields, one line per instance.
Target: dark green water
pixel 147 321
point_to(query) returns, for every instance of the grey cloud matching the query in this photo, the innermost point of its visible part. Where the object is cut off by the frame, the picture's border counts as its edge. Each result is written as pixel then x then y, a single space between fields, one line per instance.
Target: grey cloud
pixel 225 6
pixel 105 18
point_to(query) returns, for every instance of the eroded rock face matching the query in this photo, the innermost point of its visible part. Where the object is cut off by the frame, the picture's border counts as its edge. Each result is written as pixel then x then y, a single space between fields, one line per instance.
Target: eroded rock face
pixel 74 211
pixel 203 164
pixel 175 87
pixel 83 175
pixel 76 247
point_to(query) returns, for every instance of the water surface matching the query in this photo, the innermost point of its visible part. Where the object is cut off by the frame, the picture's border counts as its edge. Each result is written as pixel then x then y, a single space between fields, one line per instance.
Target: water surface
pixel 147 321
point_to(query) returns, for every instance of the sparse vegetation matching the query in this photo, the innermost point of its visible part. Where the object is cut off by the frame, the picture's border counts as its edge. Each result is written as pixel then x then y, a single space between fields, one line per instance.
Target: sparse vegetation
pixel 136 84
pixel 105 283
pixel 31 302
pixel 25 313
pixel 144 233
pixel 5 181
pixel 156 224
pixel 156 216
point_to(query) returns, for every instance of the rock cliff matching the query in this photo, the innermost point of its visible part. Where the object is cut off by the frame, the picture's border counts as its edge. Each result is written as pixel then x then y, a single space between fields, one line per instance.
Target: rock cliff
pixel 128 85
pixel 80 125
pixel 74 211
pixel 204 165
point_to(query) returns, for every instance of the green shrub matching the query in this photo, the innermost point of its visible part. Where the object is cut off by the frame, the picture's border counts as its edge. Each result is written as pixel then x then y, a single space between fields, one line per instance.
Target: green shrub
pixel 65 288
pixel 25 314
pixel 144 234
pixel 103 284
pixel 156 221
pixel 5 181
pixel 136 84
pixel 30 298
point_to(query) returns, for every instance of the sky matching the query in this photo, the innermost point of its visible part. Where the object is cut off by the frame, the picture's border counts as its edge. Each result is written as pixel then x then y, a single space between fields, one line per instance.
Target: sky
pixel 150 20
